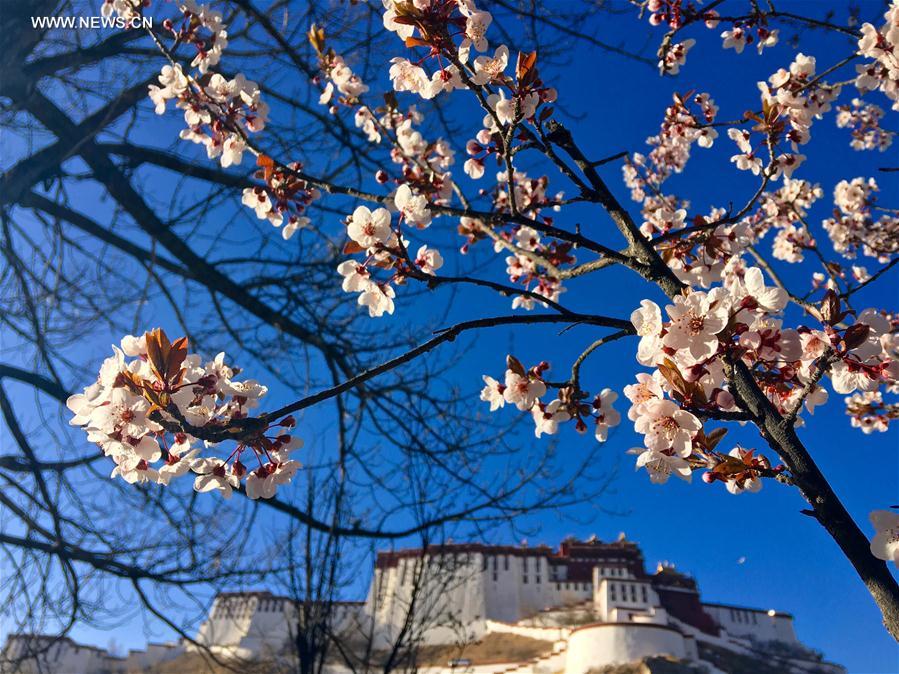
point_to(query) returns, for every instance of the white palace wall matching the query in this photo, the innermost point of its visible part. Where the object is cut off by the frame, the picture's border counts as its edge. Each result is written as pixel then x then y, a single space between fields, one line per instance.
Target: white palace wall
pixel 518 586
pixel 620 643
pixel 745 622
pixel 256 623
pixel 449 597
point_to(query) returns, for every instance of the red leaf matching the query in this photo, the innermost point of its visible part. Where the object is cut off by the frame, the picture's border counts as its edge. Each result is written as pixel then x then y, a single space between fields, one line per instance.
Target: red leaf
pixel 515 365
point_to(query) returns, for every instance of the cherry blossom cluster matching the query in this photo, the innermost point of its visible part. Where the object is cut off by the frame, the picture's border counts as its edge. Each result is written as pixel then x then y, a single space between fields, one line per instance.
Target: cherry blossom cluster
pixel 503 112
pixel 372 234
pixel 854 228
pixel 424 164
pixel 663 214
pixel 864 353
pixel 155 410
pixel 436 25
pixel 425 179
pixel 523 388
pixel 785 211
pixel 202 27
pixel 674 56
pixel 863 121
pixel 285 195
pixel 340 76
pixel 526 266
pixel 428 23
pixel 790 101
pixel 348 85
pixel 677 14
pixel 743 33
pixel 738 320
pixel 702 257
pixel 882 46
pixel 526 92
pixel 675 442
pixel 529 195
pixel 533 262
pixel 868 412
pixel 478 150
pixel 688 120
pixel 406 76
pixel 837 273
pixel 219 112
pixel 799 97
pixel 670 12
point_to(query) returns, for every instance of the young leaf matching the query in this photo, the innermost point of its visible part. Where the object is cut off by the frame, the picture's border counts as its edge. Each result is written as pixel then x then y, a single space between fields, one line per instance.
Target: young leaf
pixel 515 365
pixel 855 336
pixel 673 376
pixel 715 437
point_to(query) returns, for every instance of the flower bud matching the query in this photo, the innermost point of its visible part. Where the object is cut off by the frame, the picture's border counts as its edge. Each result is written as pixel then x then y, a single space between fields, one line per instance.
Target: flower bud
pixel 723 399
pixel 694 372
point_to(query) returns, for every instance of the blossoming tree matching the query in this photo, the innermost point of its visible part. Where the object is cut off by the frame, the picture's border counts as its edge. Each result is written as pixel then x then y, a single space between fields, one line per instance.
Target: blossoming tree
pixel 730 344
pixel 109 226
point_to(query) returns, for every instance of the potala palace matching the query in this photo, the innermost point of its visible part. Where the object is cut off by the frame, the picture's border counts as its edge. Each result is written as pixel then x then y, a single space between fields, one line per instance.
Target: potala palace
pixel 587 604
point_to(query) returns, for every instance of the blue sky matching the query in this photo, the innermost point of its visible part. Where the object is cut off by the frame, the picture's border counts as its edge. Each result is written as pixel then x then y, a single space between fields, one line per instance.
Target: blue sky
pixel 791 564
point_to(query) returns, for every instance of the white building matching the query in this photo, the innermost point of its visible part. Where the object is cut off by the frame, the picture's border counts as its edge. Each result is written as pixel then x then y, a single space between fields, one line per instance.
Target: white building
pixel 594 601
pixel 42 654
pixel 540 586
pixel 259 624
